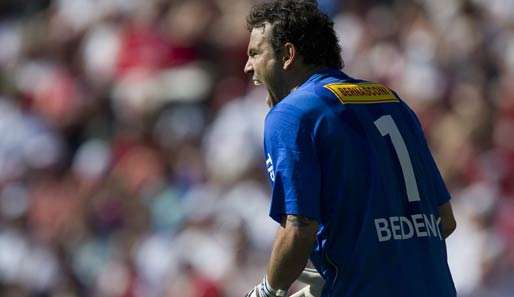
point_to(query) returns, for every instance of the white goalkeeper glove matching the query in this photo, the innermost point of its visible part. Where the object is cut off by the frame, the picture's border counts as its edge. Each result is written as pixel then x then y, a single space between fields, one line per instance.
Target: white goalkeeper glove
pixel 314 283
pixel 264 289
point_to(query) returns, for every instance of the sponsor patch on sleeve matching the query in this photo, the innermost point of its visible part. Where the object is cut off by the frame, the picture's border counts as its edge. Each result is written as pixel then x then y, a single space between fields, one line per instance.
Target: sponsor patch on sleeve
pixel 362 93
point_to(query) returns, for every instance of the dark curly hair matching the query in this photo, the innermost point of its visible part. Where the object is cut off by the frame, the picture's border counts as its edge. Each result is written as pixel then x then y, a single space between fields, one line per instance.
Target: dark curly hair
pixel 301 23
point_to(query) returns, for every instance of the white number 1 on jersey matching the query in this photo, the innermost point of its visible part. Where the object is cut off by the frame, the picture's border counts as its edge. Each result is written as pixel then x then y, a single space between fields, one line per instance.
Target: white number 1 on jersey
pixel 387 126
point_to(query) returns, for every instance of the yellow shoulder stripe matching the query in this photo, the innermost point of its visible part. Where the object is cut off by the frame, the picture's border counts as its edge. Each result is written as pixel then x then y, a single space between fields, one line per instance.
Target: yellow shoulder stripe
pixel 361 93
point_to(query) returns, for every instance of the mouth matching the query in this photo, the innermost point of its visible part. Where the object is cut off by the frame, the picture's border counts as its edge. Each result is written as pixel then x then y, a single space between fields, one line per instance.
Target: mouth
pixel 256 82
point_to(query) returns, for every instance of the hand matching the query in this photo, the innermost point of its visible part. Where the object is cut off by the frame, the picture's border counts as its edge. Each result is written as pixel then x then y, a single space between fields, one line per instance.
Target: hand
pixel 264 289
pixel 314 283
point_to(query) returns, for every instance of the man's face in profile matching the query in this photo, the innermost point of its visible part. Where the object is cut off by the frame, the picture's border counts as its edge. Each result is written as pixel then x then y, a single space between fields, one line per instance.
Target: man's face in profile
pixel 262 62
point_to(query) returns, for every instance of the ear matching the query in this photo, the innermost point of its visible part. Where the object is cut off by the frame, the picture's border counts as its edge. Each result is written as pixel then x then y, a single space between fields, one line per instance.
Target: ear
pixel 289 56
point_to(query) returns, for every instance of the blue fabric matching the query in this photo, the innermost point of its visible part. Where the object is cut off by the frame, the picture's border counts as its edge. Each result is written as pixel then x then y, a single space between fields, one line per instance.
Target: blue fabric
pixel 328 161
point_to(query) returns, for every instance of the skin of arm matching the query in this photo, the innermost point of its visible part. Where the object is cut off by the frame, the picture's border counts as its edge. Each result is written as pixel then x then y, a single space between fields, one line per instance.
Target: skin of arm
pixel 448 223
pixel 291 249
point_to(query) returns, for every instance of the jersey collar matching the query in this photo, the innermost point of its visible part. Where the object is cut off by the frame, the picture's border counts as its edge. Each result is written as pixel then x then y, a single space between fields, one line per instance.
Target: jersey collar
pixel 321 73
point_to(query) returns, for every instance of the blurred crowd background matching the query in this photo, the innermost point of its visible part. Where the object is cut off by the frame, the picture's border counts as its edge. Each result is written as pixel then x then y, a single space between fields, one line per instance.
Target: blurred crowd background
pixel 131 156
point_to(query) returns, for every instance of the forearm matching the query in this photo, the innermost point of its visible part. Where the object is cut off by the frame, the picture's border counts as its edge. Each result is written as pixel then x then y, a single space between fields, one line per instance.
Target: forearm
pixel 291 250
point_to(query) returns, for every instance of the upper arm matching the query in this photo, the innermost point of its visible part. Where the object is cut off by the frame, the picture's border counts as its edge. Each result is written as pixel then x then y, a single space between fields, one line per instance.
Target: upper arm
pixel 436 182
pixel 292 163
pixel 299 222
pixel 448 223
pixel 303 227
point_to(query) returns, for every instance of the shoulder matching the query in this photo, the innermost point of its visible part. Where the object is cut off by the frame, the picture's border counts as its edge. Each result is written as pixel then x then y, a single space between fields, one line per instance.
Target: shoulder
pixel 291 123
pixel 298 108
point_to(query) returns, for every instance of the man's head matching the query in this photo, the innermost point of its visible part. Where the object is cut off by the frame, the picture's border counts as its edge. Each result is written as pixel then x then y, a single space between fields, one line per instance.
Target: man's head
pixel 289 38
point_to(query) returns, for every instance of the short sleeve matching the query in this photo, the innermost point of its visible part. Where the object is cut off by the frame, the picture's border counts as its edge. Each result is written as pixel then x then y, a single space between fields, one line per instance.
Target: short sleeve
pixel 442 195
pixel 292 164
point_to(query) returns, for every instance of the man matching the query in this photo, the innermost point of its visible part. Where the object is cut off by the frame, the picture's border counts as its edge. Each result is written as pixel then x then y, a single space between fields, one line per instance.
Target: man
pixel 354 185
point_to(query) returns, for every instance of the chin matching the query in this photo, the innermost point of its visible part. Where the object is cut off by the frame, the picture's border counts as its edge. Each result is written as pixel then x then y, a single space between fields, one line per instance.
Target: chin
pixel 269 102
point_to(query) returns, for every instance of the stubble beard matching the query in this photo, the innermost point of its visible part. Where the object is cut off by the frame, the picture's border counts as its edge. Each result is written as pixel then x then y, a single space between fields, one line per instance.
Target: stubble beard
pixel 275 95
pixel 271 98
pixel 276 92
pixel 273 86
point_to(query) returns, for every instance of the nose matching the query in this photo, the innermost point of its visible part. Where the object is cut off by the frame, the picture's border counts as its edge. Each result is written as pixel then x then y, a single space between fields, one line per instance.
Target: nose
pixel 248 67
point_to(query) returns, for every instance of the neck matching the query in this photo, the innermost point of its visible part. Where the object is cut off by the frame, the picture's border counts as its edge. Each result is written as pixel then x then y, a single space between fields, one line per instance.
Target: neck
pixel 301 76
pixel 296 78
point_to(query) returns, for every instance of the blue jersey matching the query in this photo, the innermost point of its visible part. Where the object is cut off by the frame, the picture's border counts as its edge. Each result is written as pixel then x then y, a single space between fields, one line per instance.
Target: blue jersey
pixel 352 155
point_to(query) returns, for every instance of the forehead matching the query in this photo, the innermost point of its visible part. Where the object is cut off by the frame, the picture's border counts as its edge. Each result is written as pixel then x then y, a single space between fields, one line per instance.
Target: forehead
pixel 259 37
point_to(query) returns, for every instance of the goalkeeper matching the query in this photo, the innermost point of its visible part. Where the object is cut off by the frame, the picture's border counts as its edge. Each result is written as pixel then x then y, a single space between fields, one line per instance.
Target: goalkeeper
pixel 354 185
